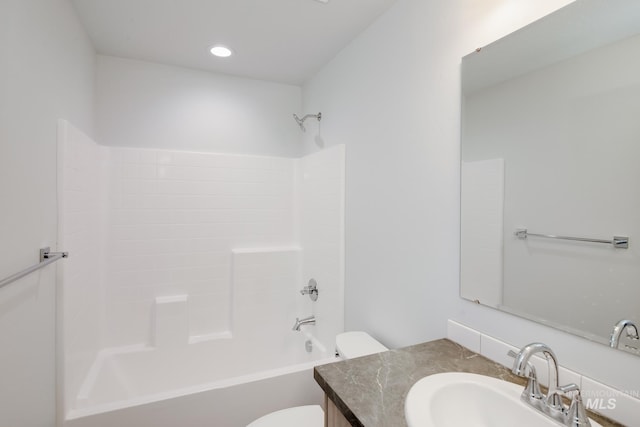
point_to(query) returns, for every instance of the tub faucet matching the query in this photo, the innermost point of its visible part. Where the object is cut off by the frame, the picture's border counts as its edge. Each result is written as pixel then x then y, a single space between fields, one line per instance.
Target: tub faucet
pixel 311 289
pixel 311 320
pixel 622 326
pixel 574 415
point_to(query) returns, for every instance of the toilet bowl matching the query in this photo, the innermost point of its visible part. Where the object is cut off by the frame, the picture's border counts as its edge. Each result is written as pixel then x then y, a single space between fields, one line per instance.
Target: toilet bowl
pixel 308 416
pixel 348 345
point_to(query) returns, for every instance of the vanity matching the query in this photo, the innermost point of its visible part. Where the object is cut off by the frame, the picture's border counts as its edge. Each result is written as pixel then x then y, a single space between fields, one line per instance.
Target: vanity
pixel 370 391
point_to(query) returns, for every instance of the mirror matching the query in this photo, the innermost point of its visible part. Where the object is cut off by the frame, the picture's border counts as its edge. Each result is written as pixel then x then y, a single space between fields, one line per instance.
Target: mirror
pixel 551 145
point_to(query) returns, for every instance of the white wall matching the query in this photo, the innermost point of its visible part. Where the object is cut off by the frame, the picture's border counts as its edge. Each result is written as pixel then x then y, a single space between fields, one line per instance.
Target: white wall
pixel 401 218
pixel 149 105
pixel 398 114
pixel 46 73
pixel 399 117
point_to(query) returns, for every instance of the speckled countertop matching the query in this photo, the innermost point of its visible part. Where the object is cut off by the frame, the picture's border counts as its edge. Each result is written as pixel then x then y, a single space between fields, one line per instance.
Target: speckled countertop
pixel 370 391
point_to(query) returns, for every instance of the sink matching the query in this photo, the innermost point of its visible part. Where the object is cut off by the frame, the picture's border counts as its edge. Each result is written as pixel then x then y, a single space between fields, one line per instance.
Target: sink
pixel 457 399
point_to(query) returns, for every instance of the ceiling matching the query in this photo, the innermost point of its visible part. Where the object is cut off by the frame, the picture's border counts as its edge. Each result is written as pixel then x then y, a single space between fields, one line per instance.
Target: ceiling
pixel 284 41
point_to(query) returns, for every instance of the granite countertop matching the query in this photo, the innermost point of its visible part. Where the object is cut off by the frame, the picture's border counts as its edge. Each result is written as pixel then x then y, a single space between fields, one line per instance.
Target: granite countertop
pixel 370 391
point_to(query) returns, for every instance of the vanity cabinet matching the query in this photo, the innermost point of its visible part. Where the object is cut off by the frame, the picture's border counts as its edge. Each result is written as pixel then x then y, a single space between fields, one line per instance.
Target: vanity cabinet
pixel 332 415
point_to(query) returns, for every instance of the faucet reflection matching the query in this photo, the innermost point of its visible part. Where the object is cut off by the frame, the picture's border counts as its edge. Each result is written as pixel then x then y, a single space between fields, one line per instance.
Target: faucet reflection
pixel 624 326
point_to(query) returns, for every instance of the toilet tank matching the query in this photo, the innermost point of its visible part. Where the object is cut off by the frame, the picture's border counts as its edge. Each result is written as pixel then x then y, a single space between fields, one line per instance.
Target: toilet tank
pixel 357 344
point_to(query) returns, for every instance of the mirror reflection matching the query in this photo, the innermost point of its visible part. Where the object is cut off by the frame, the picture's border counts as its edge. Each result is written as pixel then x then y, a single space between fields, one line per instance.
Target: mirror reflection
pixel 550 150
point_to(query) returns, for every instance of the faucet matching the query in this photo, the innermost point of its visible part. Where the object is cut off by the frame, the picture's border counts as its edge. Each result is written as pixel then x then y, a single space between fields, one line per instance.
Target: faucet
pixel 311 320
pixel 311 289
pixel 622 326
pixel 551 404
pixel 522 359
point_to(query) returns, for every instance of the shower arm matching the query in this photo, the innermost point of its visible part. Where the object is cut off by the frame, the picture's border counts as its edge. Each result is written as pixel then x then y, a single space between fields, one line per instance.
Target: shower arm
pixel 300 121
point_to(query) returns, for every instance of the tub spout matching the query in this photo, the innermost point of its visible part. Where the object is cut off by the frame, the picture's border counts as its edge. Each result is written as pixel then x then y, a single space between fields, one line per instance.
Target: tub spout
pixel 311 320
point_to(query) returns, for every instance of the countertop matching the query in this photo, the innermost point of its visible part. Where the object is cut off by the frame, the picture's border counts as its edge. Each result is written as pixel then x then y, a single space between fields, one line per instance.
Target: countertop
pixel 370 390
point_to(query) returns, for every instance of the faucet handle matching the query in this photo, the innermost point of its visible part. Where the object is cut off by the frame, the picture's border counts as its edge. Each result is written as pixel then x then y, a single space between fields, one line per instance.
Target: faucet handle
pixel 569 388
pixel 311 289
pixel 577 414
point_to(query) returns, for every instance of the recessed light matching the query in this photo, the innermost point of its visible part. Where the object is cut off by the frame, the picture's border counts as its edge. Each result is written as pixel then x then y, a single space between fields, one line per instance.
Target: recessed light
pixel 221 51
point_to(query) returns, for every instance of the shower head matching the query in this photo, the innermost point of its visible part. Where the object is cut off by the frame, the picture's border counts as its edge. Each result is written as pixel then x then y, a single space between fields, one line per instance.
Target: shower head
pixel 300 121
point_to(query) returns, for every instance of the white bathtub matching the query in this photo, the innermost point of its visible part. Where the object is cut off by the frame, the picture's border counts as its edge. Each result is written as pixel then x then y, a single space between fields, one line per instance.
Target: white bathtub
pixel 213 384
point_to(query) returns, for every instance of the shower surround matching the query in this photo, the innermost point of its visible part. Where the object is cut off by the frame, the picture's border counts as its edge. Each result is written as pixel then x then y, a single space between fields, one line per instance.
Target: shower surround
pixel 179 255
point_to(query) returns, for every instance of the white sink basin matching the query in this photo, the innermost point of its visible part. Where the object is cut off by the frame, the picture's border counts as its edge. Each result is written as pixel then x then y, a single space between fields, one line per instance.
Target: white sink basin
pixel 457 399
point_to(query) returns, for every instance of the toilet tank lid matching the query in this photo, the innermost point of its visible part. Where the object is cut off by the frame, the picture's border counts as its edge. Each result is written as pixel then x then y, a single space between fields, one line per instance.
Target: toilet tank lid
pixel 357 343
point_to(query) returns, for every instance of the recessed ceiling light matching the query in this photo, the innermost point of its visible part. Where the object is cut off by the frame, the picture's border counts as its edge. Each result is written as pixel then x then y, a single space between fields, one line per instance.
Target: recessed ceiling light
pixel 221 51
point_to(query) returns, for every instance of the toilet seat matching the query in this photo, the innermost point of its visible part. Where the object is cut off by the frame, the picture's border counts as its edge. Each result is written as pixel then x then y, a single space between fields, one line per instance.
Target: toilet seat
pixel 308 416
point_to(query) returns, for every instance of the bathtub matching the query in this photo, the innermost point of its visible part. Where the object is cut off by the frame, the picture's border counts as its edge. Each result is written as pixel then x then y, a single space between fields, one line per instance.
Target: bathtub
pixel 215 383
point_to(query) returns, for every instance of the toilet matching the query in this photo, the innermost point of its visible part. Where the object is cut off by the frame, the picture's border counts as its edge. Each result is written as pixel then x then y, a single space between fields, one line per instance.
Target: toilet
pixel 354 344
pixel 348 345
pixel 308 416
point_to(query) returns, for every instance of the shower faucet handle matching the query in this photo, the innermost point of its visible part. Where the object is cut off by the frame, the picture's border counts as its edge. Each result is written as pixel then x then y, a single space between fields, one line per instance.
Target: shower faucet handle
pixel 311 289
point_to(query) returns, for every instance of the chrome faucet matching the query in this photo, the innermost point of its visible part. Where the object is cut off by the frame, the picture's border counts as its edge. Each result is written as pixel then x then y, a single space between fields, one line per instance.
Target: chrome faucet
pixel 551 404
pixel 311 320
pixel 623 326
pixel 311 289
pixel 522 359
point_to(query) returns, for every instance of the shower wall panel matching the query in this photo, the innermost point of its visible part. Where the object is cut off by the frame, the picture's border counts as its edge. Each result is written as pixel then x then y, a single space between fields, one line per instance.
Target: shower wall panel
pixel 266 282
pixel 81 213
pixel 174 219
pixel 320 186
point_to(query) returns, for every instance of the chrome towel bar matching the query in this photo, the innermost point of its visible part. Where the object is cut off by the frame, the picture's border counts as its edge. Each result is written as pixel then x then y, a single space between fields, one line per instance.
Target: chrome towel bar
pixel 620 242
pixel 46 258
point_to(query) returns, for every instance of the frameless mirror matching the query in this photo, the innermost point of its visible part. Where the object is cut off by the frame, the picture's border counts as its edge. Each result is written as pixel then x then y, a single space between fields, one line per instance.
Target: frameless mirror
pixel 551 173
